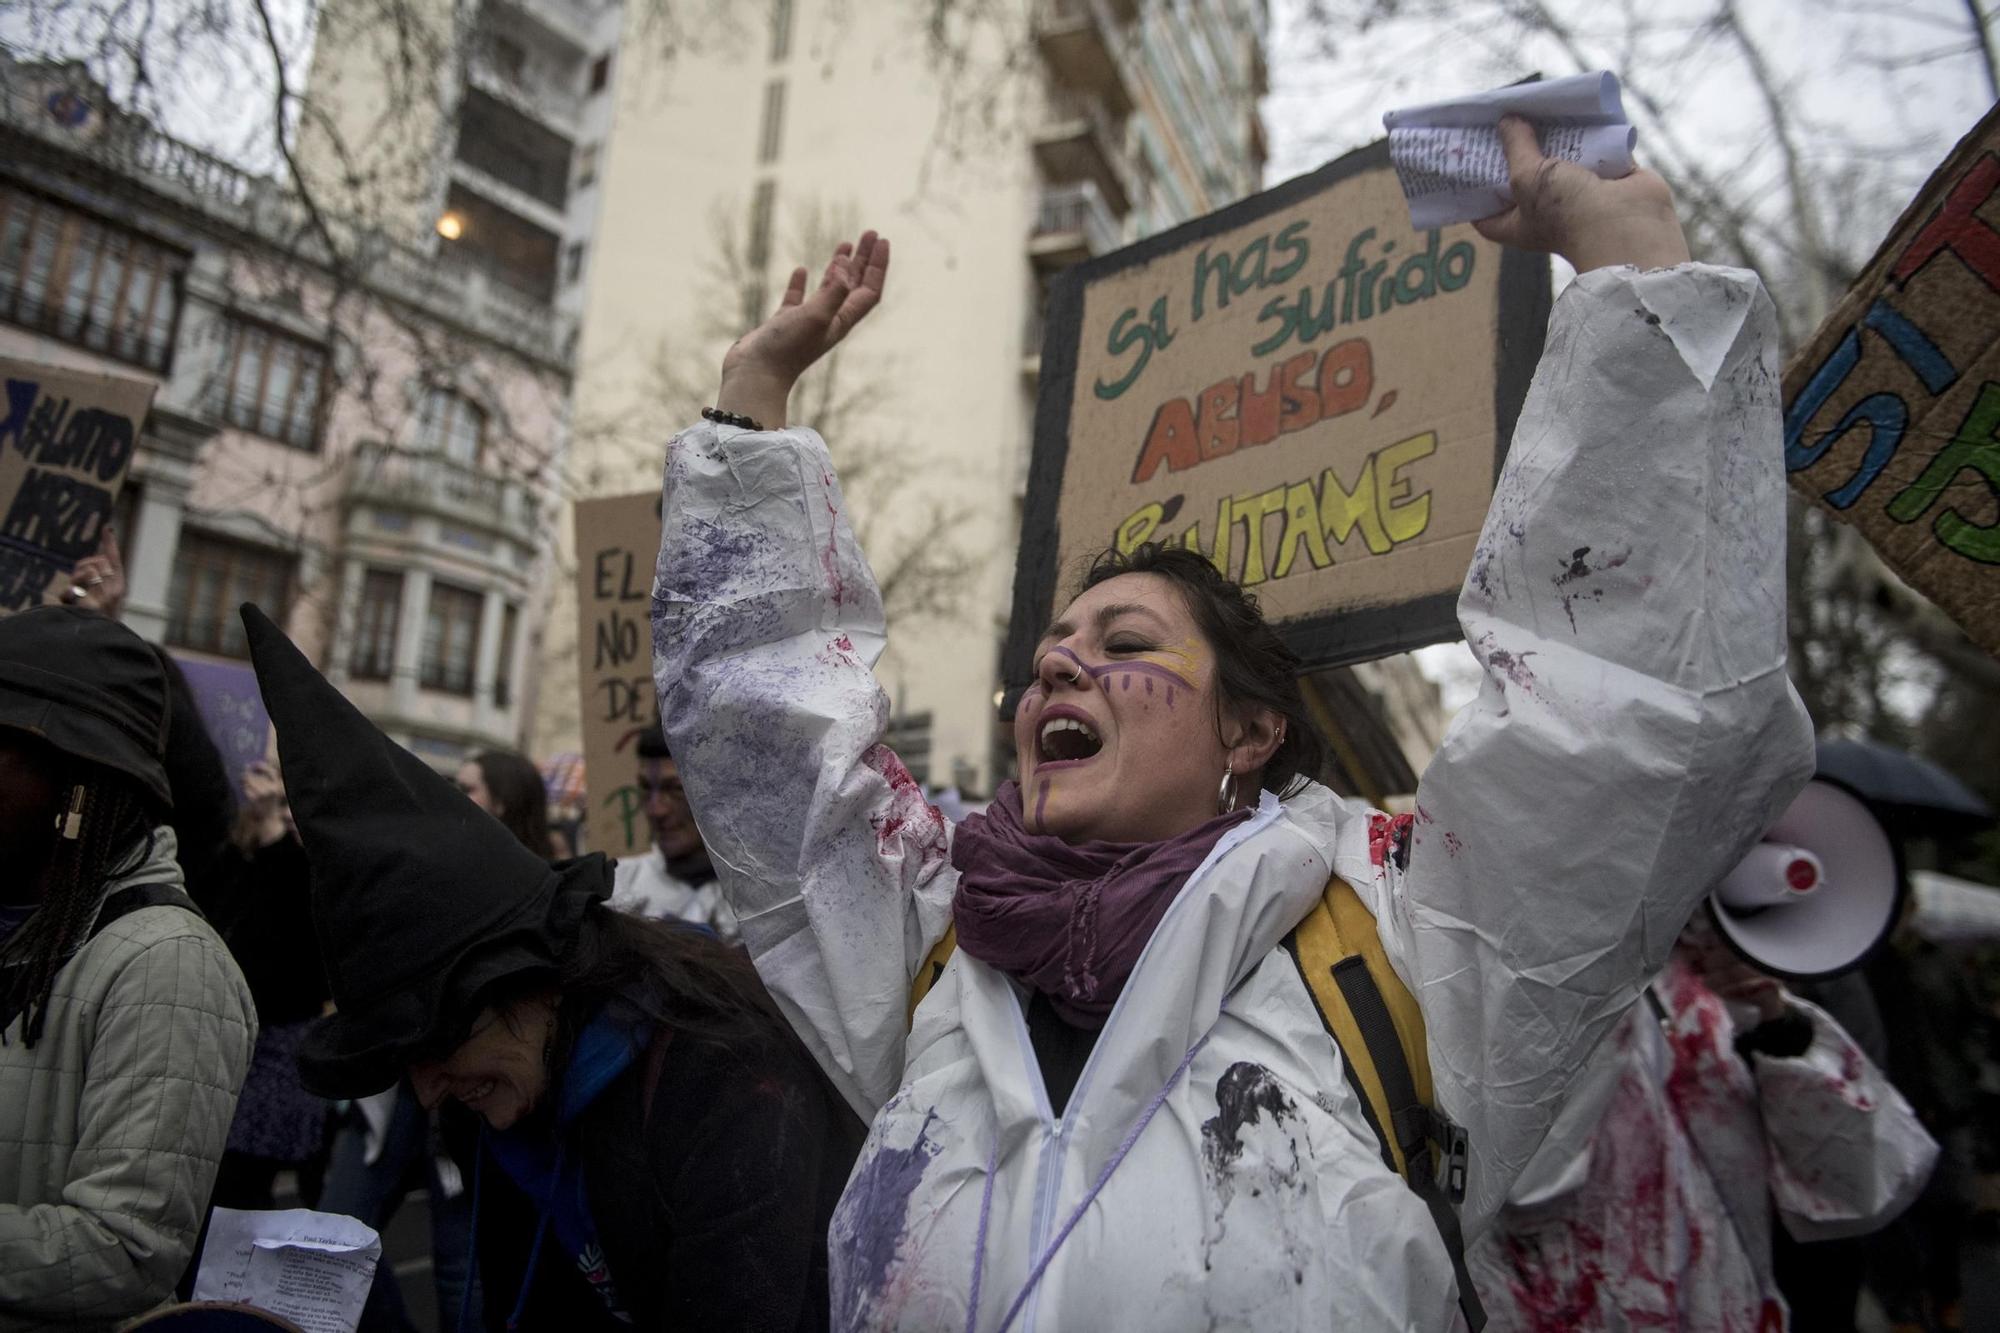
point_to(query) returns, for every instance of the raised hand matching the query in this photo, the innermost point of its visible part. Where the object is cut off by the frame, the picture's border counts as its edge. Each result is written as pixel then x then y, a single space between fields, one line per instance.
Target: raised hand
pixel 762 366
pixel 98 581
pixel 1592 222
pixel 265 810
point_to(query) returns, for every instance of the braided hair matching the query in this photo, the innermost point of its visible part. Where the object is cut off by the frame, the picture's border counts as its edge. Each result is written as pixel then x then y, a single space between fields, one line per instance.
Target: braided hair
pixel 114 813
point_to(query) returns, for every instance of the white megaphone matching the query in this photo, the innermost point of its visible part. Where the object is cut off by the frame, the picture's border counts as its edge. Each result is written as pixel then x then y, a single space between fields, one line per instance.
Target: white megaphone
pixel 1818 894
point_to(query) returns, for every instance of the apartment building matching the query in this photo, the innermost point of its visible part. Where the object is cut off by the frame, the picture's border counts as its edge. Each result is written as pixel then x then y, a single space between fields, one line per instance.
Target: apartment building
pixel 655 174
pixel 995 153
pixel 345 431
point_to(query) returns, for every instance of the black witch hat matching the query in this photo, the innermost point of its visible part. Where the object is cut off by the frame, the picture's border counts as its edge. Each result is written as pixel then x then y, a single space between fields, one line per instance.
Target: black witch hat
pixel 422 901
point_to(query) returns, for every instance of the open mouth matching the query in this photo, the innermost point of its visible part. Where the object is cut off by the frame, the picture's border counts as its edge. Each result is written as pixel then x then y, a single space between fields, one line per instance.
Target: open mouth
pixel 1067 740
pixel 474 1096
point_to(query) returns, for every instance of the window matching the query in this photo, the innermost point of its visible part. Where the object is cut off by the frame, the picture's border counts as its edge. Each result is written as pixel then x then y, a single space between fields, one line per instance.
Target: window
pixel 757 253
pixel 503 673
pixel 772 133
pixel 451 639
pixel 573 262
pixel 453 425
pixel 272 384
pixel 88 283
pixel 374 656
pixel 762 205
pixel 514 149
pixel 212 577
pixel 909 735
pixel 600 73
pixel 781 29
pixel 586 165
pixel 503 244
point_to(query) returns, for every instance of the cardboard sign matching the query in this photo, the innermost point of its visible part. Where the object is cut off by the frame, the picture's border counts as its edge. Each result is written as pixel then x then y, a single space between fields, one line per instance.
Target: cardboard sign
pixel 231 704
pixel 1892 417
pixel 617 543
pixel 1300 386
pixel 66 440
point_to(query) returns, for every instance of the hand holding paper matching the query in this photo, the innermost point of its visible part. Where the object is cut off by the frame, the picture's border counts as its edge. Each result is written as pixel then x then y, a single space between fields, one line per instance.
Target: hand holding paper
pixel 1593 223
pixel 1449 158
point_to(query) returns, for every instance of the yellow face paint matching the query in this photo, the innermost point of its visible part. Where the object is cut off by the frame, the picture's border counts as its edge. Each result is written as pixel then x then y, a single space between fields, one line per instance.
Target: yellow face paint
pixel 1181 659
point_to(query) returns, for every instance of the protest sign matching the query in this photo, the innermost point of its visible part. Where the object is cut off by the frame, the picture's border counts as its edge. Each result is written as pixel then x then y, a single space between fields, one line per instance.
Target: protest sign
pixel 231 704
pixel 1892 416
pixel 66 440
pixel 617 541
pixel 1300 386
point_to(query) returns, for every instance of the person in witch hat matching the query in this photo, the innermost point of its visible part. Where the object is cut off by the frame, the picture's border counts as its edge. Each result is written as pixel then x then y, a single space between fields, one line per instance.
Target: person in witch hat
pixel 658 1149
pixel 125 1027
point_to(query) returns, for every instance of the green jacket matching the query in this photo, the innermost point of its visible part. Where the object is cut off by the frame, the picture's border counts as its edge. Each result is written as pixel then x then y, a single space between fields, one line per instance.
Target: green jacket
pixel 112 1125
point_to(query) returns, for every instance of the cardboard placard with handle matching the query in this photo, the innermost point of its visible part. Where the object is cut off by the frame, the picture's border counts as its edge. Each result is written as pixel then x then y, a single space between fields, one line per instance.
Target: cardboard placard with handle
pixel 1892 411
pixel 66 441
pixel 617 543
pixel 1300 386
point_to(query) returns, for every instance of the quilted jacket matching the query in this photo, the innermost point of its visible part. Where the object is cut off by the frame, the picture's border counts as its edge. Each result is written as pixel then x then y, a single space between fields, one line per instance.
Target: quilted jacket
pixel 112 1124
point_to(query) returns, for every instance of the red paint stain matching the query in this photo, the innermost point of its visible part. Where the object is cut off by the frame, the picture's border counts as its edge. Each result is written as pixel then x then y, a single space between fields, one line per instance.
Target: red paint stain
pixel 1425 815
pixel 1452 845
pixel 1385 835
pixel 909 824
pixel 829 556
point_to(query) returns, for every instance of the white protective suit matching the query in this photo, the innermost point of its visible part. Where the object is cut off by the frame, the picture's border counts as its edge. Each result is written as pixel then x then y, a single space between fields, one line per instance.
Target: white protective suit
pixel 1634 733
pixel 1650 1205
pixel 643 886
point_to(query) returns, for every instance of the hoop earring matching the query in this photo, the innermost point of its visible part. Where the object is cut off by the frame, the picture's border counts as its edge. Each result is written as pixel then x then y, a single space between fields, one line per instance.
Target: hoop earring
pixel 1225 796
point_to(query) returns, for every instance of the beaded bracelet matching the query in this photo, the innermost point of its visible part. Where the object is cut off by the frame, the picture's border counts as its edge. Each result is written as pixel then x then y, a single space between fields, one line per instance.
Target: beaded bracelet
pixel 723 418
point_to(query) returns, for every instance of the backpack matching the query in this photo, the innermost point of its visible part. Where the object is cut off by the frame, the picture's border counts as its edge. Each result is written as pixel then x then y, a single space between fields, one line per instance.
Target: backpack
pixel 1376 1025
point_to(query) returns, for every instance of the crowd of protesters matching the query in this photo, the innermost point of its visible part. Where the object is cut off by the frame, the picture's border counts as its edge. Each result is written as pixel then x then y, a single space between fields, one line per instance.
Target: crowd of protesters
pixel 824 1056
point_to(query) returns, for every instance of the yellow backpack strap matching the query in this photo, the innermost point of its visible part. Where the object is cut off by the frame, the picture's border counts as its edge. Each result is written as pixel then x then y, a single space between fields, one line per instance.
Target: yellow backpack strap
pixel 930 970
pixel 1319 945
pixel 1379 1029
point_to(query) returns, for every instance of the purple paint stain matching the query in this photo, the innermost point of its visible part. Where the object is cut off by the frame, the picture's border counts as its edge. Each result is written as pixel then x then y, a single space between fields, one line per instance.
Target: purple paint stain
pixel 874 1213
pixel 1041 804
pixel 1514 666
pixel 1149 684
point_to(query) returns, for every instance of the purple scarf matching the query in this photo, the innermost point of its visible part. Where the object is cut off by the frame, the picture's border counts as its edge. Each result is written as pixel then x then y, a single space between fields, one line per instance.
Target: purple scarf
pixel 1068 920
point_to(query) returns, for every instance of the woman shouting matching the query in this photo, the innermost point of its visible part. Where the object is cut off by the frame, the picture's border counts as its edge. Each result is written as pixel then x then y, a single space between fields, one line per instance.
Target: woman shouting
pixel 1118 1107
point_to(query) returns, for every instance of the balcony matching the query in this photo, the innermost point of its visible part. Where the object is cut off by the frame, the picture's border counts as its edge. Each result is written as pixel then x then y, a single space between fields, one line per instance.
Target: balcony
pixel 1080 141
pixel 514 148
pixel 545 91
pixel 1071 225
pixel 133 153
pixel 569 21
pixel 1078 39
pixel 391 477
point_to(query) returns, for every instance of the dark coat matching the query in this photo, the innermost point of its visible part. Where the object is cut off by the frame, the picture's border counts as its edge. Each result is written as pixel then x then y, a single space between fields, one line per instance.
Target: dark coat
pixel 265 915
pixel 712 1203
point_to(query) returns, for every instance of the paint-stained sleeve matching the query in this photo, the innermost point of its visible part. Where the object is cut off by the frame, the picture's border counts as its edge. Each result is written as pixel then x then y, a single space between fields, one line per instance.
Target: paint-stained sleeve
pixel 766 624
pixel 1634 732
pixel 1847 1153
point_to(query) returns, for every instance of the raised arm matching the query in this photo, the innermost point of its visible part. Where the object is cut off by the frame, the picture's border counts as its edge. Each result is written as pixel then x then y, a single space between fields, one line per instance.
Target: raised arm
pixel 766 624
pixel 1635 730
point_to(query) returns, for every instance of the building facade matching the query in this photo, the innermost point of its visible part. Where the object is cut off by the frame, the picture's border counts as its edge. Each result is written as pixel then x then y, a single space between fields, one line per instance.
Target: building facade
pixel 655 178
pixel 344 431
pixel 995 154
